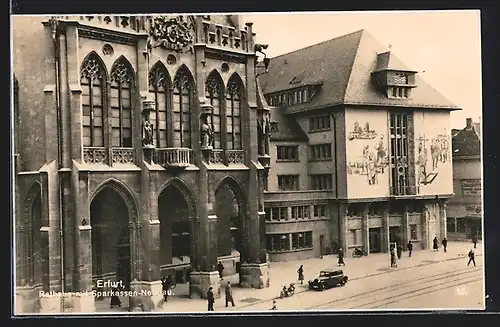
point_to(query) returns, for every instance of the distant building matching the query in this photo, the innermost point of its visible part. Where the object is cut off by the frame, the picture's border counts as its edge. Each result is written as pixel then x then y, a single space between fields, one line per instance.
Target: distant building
pixel 464 209
pixel 360 149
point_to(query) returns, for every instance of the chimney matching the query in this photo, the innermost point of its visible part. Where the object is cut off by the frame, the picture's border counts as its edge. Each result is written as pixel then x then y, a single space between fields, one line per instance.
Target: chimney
pixel 468 124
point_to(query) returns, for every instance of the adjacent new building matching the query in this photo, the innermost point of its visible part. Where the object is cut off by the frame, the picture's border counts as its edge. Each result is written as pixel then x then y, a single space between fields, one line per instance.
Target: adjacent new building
pixel 135 156
pixel 464 209
pixel 360 151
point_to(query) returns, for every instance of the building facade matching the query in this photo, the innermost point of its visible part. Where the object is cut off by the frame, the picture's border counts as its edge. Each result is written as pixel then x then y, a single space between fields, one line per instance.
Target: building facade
pixel 136 156
pixel 360 149
pixel 465 208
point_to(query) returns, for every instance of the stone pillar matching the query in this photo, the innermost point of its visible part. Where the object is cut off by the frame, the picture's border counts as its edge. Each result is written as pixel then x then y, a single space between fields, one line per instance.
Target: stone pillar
pixel 366 229
pixel 343 226
pixel 405 227
pixel 442 220
pixel 425 228
pixel 385 229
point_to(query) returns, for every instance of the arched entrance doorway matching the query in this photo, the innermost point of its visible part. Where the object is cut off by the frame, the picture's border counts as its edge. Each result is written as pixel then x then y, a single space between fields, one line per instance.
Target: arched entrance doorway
pixel 176 214
pixel 111 249
pixel 32 258
pixel 229 209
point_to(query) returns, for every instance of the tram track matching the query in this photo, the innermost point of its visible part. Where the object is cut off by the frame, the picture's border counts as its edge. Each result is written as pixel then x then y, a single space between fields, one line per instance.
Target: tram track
pixel 402 291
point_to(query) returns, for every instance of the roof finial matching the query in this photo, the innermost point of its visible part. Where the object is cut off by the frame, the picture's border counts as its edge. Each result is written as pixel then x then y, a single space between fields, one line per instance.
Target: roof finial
pixel 390 46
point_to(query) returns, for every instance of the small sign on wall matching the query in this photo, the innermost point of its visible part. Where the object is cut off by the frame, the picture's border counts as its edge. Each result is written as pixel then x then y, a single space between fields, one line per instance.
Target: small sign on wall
pixel 471 187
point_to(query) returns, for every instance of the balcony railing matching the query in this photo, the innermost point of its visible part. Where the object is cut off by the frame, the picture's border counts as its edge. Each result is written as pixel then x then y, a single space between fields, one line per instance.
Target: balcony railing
pixel 122 155
pixel 95 155
pixel 173 157
pixel 235 157
pixel 228 157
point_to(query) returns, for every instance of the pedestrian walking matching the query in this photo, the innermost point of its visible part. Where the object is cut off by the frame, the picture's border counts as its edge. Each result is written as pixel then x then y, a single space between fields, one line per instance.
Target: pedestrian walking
pixel 300 272
pixel 210 299
pixel 410 248
pixel 393 259
pixel 474 240
pixel 220 269
pixel 445 243
pixel 115 299
pixel 229 294
pixel 399 251
pixel 471 258
pixel 274 305
pixel 435 244
pixel 164 287
pixel 341 257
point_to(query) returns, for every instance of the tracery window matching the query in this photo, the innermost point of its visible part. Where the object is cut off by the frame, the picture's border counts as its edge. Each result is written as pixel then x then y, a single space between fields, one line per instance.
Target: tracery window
pixel 181 110
pixel 159 89
pixel 92 82
pixel 213 93
pixel 121 105
pixel 233 115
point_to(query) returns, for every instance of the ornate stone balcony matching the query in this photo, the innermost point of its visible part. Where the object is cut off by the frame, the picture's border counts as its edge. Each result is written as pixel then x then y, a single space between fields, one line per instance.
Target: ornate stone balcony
pixel 95 155
pixel 173 157
pixel 235 157
pixel 122 155
pixel 228 157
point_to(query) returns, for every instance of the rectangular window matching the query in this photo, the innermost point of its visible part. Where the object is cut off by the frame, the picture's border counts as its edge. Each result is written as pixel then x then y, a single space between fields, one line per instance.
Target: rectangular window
pixel 268 214
pixel 353 237
pixel 399 154
pixel 288 182
pixel 278 213
pixel 319 123
pixel 321 151
pixel 300 212
pixel 284 242
pixel 295 241
pixel 413 232
pixel 320 211
pixel 287 153
pixel 308 239
pixel 321 182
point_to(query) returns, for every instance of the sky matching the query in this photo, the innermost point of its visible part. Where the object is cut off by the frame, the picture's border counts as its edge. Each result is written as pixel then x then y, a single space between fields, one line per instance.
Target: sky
pixel 443 46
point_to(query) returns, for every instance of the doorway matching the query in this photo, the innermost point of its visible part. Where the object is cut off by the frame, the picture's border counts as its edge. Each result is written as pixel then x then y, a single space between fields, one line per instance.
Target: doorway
pixel 395 234
pixel 375 240
pixel 322 245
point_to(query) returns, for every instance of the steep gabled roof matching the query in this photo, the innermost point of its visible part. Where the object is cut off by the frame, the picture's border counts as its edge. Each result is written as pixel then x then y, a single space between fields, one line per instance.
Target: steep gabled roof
pixel 343 66
pixel 466 143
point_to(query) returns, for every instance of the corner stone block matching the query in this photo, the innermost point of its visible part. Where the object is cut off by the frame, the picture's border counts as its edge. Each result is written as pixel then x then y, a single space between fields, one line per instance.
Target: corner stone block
pixel 147 296
pixel 255 275
pixel 26 301
pixel 199 283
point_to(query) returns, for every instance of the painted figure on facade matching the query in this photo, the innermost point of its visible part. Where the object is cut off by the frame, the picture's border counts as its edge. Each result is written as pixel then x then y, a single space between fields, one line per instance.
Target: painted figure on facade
pixel 421 162
pixel 373 159
pixel 427 170
pixel 206 133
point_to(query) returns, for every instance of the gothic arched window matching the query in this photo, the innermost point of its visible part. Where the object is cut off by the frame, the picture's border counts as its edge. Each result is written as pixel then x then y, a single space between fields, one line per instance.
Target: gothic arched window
pixel 233 115
pixel 92 82
pixel 159 88
pixel 121 105
pixel 213 93
pixel 182 110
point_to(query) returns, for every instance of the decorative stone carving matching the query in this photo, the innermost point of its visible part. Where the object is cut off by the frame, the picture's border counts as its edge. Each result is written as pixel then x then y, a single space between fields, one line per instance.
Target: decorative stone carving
pixel 235 157
pixel 171 60
pixel 148 128
pixel 216 157
pixel 264 130
pixel 120 73
pixel 122 155
pixel 91 69
pixel 206 133
pixel 107 50
pixel 173 33
pixel 93 155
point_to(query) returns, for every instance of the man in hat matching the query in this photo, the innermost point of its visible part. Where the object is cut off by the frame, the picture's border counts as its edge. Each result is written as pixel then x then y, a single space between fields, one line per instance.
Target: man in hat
pixel 210 299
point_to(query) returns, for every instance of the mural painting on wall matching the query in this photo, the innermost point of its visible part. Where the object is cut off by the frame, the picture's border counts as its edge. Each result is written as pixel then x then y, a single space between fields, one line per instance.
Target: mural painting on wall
pixel 373 158
pixel 431 153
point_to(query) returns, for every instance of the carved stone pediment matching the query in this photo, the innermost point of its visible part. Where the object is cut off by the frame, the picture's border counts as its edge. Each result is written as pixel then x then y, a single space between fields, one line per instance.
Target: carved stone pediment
pixel 172 32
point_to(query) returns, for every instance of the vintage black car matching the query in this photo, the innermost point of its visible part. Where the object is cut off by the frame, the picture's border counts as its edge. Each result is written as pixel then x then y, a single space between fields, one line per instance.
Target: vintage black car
pixel 328 279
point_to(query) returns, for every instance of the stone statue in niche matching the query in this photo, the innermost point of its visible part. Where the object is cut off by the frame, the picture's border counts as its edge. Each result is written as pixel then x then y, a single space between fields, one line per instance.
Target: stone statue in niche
pixel 264 133
pixel 174 33
pixel 206 133
pixel 147 133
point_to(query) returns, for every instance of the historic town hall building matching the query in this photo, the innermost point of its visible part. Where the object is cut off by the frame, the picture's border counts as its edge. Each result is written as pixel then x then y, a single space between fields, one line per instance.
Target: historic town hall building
pixel 360 148
pixel 136 156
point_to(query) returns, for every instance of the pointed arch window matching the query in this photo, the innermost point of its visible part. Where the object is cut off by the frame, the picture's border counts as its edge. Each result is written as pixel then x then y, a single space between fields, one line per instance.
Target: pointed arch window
pixel 233 115
pixel 213 94
pixel 181 110
pixel 159 89
pixel 92 82
pixel 121 105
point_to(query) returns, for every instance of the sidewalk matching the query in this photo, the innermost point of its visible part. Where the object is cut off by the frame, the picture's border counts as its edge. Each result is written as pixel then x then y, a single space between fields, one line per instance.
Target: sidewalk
pixel 284 273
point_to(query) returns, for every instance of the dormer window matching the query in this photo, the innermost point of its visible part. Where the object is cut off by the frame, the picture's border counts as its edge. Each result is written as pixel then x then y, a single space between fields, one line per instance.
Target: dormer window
pixel 391 77
pixel 399 92
pixel 401 78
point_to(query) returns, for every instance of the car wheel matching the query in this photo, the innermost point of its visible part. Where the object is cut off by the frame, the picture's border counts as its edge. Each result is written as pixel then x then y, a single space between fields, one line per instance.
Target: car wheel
pixel 322 287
